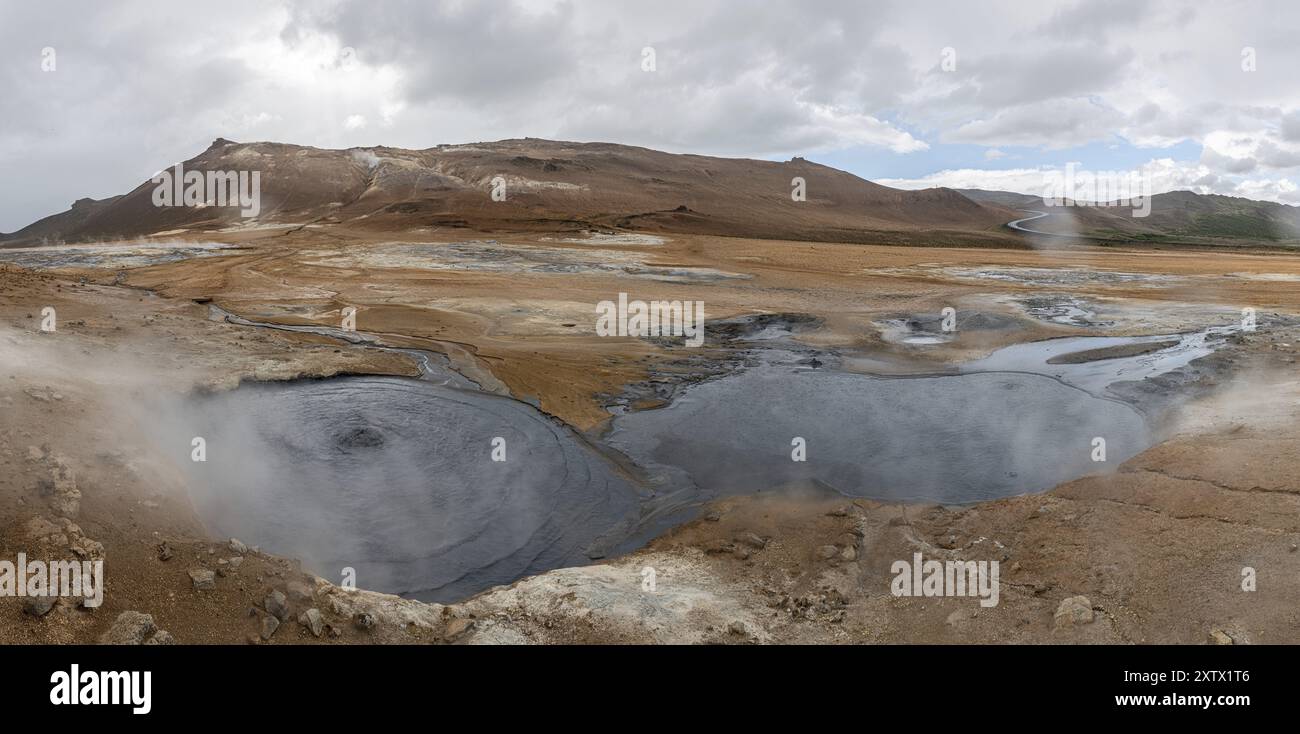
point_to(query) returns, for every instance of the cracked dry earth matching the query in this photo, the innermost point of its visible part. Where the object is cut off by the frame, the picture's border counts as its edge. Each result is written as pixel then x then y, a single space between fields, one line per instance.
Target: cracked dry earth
pixel 1152 553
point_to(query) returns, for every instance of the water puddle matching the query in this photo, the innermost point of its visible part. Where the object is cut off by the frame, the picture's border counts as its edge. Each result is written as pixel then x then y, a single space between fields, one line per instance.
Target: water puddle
pixel 496 257
pixel 1050 357
pixel 134 255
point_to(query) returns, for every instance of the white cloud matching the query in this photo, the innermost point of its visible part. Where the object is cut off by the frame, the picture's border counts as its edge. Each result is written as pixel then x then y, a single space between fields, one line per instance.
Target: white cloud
pixel 732 78
pixel 1166 175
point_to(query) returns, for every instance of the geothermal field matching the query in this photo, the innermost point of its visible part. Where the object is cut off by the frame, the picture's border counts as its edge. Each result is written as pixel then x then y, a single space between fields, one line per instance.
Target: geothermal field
pixel 641 398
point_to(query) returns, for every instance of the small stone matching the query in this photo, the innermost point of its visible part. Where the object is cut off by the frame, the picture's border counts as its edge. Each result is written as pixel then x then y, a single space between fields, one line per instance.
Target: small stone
pixel 849 553
pixel 737 628
pixel 39 606
pixel 203 579
pixel 161 637
pixel 299 591
pixel 827 552
pixel 1074 610
pixel 164 551
pixel 269 625
pixel 1219 637
pixel 277 605
pixel 238 546
pixel 753 541
pixel 363 621
pixel 713 516
pixel 457 627
pixel 130 628
pixel 313 621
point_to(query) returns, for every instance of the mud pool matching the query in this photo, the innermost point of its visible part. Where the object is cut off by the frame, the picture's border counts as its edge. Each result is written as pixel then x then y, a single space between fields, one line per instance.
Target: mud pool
pixel 940 438
pixel 115 256
pixel 395 477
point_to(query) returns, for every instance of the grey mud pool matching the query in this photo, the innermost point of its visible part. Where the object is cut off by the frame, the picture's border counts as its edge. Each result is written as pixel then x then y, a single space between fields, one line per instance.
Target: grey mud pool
pixel 396 478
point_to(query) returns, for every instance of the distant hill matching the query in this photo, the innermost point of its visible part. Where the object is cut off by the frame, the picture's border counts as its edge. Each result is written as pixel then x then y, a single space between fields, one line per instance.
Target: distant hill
pixel 550 186
pixel 1175 217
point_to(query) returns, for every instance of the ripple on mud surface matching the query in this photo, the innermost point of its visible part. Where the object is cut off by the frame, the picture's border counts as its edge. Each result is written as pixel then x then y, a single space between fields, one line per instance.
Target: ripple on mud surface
pixel 394 478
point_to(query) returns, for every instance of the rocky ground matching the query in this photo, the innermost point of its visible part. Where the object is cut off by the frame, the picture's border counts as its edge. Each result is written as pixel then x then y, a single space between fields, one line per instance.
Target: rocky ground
pixel 1154 552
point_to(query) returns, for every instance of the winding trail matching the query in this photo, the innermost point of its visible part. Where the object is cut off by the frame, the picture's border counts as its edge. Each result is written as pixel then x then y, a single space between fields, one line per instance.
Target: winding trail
pixel 1018 225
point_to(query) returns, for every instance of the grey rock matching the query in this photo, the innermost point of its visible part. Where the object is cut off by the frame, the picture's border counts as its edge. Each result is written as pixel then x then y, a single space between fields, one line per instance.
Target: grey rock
pixel 130 628
pixel 277 605
pixel 1074 610
pixel 39 606
pixel 269 625
pixel 161 637
pixel 299 591
pixel 313 621
pixel 203 579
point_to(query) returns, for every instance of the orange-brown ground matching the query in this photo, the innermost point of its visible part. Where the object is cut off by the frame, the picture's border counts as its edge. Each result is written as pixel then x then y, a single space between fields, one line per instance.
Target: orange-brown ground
pixel 1157 548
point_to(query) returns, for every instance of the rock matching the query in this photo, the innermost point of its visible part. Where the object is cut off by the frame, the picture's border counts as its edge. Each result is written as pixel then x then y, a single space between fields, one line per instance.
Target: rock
pixel 1074 610
pixel 269 625
pixel 130 628
pixel 234 561
pixel 839 512
pixel 238 547
pixel 66 498
pixel 737 628
pixel 1219 637
pixel 161 637
pixel 456 628
pixel 849 553
pixel 203 579
pixel 86 548
pixel 827 552
pixel 39 528
pixel 719 546
pixel 713 516
pixel 277 605
pixel 364 621
pixel 299 591
pixel 957 617
pixel 313 621
pixel 753 541
pixel 39 606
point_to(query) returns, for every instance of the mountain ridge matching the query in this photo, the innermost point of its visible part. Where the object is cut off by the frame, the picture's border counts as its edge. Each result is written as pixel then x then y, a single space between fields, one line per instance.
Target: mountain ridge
pixel 549 185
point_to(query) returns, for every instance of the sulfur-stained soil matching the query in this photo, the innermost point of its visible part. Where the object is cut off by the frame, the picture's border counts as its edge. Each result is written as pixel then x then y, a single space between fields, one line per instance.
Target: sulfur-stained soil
pixel 1159 547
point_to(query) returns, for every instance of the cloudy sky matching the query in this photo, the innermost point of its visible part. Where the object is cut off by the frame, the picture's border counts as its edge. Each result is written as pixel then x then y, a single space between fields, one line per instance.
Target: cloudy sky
pixel 913 94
